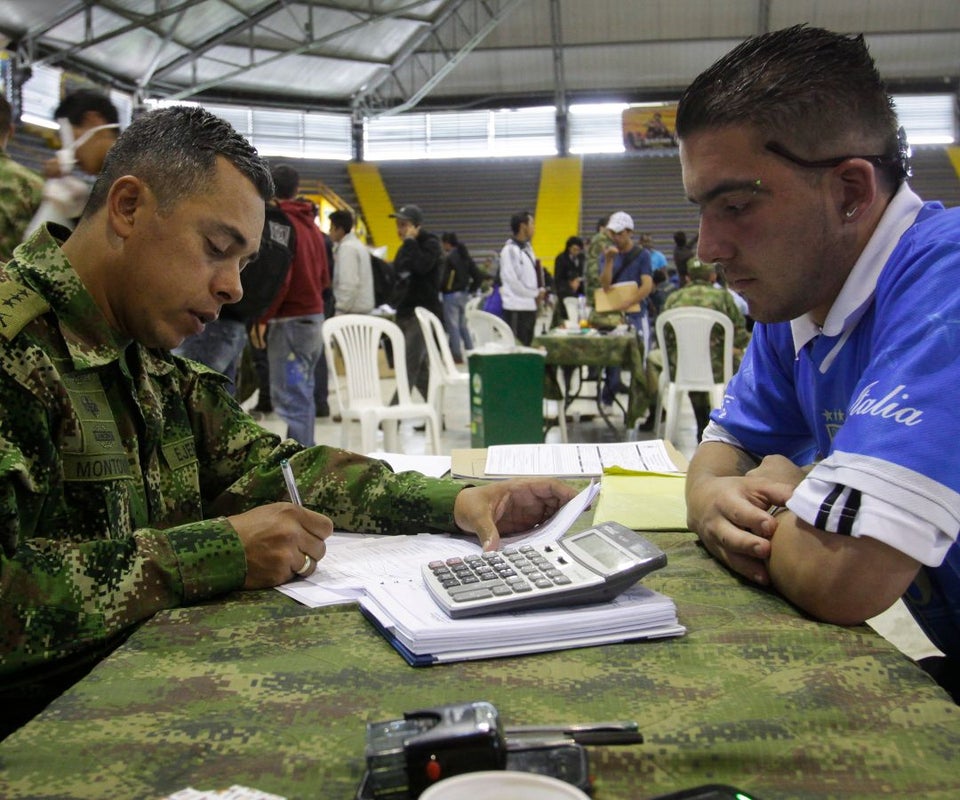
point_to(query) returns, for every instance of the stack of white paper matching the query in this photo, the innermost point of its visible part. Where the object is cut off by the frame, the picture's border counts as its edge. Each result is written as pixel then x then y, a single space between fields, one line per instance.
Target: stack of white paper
pixel 383 575
pixel 423 634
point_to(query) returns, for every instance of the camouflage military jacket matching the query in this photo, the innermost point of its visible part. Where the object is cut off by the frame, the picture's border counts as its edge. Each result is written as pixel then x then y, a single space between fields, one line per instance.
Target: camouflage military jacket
pixel 119 464
pixel 706 295
pixel 21 190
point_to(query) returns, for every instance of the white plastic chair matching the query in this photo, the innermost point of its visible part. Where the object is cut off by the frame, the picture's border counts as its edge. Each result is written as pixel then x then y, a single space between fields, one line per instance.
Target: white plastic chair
pixel 572 306
pixel 443 369
pixel 544 318
pixel 489 329
pixel 476 301
pixel 357 337
pixel 693 371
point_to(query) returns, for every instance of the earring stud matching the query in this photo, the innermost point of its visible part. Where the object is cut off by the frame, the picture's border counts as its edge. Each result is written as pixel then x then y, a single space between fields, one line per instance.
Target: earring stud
pixel 850 212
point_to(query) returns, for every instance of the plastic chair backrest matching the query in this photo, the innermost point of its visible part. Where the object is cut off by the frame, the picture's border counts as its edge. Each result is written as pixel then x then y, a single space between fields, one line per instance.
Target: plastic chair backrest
pixel 357 337
pixel 487 328
pixel 692 327
pixel 438 345
pixel 572 306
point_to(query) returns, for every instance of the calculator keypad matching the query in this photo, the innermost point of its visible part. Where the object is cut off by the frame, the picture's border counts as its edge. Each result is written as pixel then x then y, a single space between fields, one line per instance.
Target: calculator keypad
pixel 513 570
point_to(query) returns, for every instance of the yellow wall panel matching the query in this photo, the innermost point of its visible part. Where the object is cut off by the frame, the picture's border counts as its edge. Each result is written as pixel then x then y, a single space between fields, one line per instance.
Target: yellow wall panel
pixel 558 207
pixel 375 205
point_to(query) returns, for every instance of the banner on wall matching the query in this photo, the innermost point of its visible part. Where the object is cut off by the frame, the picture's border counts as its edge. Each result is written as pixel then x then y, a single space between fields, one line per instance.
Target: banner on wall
pixel 647 127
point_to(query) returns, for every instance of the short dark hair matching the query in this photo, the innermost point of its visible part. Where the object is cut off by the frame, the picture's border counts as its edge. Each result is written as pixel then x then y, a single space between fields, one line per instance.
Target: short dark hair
pixel 573 240
pixel 806 87
pixel 78 103
pixel 174 151
pixel 450 238
pixel 602 222
pixel 519 219
pixel 342 219
pixel 286 181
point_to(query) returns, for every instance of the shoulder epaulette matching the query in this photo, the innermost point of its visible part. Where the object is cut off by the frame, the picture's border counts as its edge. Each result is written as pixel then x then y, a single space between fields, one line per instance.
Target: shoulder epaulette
pixel 19 305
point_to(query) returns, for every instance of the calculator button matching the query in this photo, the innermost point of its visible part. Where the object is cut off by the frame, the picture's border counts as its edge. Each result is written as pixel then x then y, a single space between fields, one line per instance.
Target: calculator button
pixel 472 594
pixel 562 580
pixel 446 583
pixel 454 562
pixel 471 578
pixel 520 588
pixel 501 590
pixel 543 583
pixel 435 565
pixel 553 573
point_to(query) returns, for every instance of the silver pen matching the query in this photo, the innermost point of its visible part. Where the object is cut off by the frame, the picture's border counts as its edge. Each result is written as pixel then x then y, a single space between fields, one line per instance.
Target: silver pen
pixel 292 490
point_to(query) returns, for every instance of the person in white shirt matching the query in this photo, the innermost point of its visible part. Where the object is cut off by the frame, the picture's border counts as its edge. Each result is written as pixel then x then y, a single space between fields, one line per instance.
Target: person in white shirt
pixel 520 285
pixel 352 273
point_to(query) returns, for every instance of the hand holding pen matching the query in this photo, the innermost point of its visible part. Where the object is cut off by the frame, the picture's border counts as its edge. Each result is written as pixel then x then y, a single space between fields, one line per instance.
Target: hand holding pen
pixel 281 541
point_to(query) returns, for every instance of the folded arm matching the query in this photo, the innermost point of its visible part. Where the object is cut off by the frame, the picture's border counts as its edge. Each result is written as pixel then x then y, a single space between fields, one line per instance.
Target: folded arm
pixel 735 507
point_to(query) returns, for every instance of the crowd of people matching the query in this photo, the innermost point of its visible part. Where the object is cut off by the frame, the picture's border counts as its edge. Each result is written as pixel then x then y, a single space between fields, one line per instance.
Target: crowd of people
pixel 132 481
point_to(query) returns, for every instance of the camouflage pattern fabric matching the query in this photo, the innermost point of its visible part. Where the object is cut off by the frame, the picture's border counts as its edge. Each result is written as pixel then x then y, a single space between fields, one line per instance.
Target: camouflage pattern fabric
pixel 704 294
pixel 594 261
pixel 593 266
pixel 259 691
pixel 21 191
pixel 598 350
pixel 118 465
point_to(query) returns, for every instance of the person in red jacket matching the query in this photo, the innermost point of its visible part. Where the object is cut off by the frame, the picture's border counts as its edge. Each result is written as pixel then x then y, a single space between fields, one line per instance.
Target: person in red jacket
pixel 294 343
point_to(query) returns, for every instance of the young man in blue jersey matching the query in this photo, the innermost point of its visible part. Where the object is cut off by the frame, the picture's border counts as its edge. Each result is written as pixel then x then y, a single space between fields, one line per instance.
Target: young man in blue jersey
pixel 831 472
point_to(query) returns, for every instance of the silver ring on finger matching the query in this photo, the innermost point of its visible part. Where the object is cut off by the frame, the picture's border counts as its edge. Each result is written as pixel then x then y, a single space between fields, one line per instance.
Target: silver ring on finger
pixel 307 567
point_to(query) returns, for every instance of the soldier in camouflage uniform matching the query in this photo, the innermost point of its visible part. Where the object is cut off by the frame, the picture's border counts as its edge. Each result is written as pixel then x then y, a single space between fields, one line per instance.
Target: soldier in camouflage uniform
pixel 591 273
pixel 21 189
pixel 702 292
pixel 130 480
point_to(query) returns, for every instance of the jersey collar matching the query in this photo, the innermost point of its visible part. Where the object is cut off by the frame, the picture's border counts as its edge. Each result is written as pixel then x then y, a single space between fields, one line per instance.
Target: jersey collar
pixel 861 283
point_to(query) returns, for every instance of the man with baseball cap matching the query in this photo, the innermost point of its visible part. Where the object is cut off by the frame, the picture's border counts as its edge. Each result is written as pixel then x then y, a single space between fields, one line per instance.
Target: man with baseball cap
pixel 417 265
pixel 626 262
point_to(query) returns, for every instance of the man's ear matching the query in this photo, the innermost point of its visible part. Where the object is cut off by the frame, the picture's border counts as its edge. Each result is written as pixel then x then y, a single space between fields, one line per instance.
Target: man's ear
pixel 125 202
pixel 855 188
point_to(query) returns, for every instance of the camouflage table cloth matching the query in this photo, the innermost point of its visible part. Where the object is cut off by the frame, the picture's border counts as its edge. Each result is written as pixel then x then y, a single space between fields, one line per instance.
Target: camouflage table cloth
pixel 259 691
pixel 598 350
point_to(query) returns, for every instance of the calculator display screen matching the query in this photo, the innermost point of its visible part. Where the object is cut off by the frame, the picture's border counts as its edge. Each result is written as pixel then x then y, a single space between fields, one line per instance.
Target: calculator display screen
pixel 600 548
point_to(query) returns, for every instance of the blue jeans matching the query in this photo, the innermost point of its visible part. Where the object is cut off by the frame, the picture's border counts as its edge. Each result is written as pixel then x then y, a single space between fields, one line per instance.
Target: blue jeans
pixel 218 346
pixel 293 348
pixel 455 323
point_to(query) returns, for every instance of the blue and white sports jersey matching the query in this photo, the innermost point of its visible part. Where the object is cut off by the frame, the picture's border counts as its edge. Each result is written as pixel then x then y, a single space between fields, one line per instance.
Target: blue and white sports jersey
pixel 874 399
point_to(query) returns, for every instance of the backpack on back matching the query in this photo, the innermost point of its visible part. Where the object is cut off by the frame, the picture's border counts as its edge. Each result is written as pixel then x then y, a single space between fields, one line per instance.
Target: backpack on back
pixel 384 281
pixel 263 278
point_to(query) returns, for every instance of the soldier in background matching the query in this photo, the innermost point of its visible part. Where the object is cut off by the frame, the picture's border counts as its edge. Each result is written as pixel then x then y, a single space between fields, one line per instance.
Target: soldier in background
pixel 130 479
pixel 20 189
pixel 702 291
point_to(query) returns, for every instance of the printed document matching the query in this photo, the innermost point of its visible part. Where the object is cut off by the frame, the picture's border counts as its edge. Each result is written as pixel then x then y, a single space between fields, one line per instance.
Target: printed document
pixel 578 460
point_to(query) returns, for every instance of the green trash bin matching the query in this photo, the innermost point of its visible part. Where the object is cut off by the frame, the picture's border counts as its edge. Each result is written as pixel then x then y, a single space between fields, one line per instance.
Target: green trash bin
pixel 506 398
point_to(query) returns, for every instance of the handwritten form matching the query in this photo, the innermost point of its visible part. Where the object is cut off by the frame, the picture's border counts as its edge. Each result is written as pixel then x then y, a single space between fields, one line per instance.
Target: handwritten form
pixel 355 563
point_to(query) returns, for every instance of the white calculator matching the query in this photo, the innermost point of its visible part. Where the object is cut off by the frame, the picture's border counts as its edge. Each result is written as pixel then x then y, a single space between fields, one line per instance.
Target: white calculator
pixel 588 567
